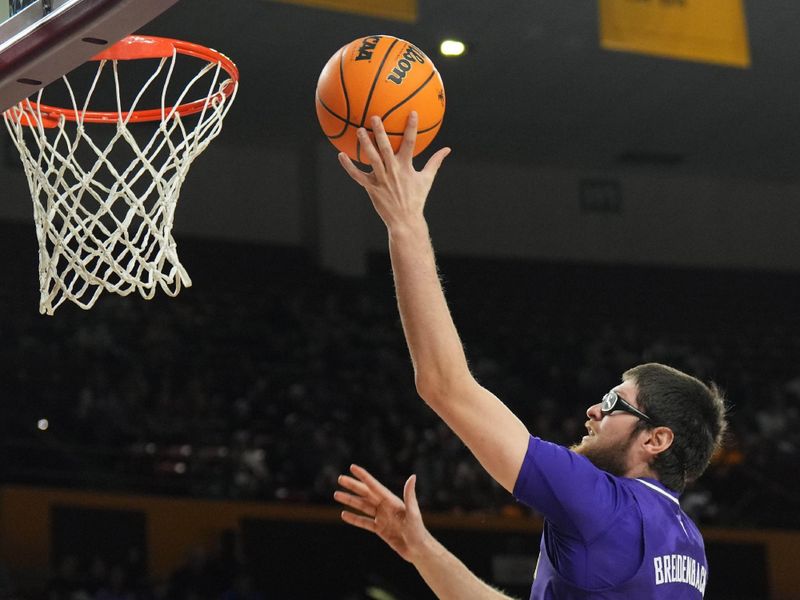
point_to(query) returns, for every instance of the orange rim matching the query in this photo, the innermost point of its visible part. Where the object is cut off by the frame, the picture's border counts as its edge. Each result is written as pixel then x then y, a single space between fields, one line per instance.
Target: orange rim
pixel 138 47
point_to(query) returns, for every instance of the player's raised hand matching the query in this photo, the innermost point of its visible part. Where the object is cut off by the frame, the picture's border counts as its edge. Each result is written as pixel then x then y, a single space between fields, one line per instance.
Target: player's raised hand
pixel 397 522
pixel 397 190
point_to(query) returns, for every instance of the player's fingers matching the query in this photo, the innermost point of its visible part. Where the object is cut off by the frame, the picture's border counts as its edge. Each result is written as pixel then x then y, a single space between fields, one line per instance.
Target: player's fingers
pixel 368 149
pixel 382 140
pixel 359 521
pixel 406 151
pixel 354 485
pixel 435 161
pixel 354 502
pixel 357 174
pixel 373 484
pixel 410 495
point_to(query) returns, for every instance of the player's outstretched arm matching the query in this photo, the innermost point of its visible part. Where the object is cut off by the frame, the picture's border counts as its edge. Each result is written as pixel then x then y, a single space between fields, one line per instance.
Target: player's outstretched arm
pixel 399 192
pixel 399 523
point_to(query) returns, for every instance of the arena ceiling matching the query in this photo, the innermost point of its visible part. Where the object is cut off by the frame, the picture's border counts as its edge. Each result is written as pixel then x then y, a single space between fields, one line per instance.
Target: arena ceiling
pixel 535 86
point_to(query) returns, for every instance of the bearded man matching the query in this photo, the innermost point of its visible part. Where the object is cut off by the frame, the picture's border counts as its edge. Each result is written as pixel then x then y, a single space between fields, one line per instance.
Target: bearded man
pixel 613 526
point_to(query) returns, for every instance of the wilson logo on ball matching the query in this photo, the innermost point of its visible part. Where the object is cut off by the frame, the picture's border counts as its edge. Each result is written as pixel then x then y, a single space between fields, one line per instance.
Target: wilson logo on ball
pixel 410 56
pixel 368 47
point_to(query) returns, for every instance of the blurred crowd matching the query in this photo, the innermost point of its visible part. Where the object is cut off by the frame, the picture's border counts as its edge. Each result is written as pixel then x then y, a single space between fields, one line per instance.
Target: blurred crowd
pixel 269 389
pixel 219 575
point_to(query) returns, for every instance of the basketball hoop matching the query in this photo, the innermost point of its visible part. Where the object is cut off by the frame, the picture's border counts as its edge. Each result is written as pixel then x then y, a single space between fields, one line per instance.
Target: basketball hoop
pixel 106 224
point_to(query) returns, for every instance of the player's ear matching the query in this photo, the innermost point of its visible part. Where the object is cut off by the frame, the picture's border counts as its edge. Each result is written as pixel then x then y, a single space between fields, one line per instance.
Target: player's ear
pixel 658 440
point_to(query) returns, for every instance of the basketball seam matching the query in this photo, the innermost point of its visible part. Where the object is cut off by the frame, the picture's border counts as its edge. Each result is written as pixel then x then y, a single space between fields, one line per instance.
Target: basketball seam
pixel 411 95
pixel 346 122
pixel 346 99
pixel 351 124
pixel 344 87
pixel 375 82
pixel 369 96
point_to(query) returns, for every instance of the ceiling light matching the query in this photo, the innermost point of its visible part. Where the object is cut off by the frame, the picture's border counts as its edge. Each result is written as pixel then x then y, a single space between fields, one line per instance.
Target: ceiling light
pixel 452 48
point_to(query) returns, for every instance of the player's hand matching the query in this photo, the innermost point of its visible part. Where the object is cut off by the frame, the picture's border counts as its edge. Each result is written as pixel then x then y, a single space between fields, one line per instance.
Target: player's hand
pixel 397 522
pixel 398 191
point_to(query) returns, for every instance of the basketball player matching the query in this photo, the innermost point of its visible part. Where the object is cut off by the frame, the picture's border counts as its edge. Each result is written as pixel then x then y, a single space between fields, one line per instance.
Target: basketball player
pixel 613 528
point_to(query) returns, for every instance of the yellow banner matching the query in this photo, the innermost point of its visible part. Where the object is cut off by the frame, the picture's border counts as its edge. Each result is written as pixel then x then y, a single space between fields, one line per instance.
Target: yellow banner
pixel 713 31
pixel 398 10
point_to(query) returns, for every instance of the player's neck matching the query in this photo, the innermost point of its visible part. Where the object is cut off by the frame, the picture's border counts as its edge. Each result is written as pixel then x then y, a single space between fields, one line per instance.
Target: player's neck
pixel 641 470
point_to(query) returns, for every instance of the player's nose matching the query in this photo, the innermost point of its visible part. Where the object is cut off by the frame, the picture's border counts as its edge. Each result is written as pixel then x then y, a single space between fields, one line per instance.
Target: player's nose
pixel 593 412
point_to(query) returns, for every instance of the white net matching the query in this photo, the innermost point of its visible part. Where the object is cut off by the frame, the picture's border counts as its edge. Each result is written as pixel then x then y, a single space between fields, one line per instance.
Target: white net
pixel 104 210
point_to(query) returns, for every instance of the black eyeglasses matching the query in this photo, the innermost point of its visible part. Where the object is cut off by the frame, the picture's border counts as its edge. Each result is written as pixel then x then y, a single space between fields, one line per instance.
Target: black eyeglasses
pixel 613 402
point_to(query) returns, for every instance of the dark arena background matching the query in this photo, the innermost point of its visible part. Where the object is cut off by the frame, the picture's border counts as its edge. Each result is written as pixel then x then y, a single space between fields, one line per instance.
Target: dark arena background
pixel 601 208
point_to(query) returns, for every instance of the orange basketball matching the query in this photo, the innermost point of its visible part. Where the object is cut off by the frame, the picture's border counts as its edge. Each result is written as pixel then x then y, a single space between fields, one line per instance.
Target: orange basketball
pixel 384 76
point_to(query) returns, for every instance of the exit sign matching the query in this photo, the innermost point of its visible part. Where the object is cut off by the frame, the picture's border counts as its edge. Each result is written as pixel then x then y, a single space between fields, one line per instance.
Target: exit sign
pixel 601 196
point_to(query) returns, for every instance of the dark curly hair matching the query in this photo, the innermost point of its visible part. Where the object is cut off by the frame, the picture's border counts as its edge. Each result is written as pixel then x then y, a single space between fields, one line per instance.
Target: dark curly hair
pixel 694 411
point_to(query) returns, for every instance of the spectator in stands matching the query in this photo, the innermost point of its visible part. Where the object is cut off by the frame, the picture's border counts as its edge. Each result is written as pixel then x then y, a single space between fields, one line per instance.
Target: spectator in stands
pixel 117 587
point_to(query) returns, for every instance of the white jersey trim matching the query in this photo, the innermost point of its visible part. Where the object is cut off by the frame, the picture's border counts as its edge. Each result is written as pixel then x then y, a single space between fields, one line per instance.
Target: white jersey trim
pixel 659 490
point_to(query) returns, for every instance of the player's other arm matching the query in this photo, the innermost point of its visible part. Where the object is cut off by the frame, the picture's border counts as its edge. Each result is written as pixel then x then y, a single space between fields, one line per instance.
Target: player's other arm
pixel 496 437
pixel 398 522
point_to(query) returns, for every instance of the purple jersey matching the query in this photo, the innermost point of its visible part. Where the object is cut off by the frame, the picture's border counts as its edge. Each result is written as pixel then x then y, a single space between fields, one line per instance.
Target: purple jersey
pixel 607 537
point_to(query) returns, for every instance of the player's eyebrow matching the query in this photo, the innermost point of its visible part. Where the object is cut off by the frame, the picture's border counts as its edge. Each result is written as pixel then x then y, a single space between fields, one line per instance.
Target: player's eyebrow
pixel 623 397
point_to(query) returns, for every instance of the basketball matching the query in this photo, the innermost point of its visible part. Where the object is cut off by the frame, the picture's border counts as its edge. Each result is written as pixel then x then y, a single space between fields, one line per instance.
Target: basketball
pixel 384 76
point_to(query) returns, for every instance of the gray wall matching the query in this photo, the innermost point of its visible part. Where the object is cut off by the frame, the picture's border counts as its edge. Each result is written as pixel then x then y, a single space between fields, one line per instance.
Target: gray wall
pixel 534 212
pixel 290 196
